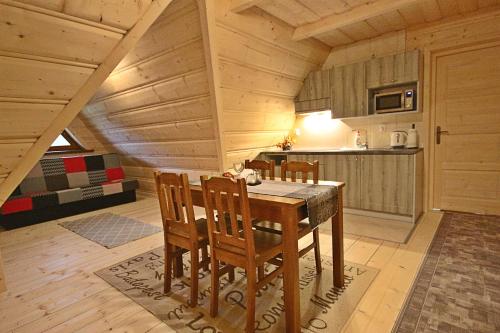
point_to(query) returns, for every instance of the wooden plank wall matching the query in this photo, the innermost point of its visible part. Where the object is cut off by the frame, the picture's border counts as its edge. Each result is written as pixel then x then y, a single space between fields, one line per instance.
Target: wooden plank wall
pixel 261 72
pixel 155 108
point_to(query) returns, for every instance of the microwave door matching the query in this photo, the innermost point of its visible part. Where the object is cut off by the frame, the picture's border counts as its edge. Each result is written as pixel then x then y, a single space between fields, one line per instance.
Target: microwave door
pixel 389 102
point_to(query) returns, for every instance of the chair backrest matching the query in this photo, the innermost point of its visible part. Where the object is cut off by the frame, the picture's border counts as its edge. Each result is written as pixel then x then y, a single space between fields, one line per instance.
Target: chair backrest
pixel 223 197
pixel 263 166
pixel 176 204
pixel 303 167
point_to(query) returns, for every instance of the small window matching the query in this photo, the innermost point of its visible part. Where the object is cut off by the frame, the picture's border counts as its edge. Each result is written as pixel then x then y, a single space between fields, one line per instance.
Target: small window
pixel 66 143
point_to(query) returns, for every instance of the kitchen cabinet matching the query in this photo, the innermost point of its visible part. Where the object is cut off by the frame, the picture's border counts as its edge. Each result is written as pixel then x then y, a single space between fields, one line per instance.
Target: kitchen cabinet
pixel 349 91
pixel 386 183
pixel 315 94
pixel 393 70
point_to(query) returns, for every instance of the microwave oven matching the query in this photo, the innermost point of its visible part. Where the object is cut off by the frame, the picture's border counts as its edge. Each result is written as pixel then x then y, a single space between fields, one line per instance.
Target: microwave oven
pixel 394 100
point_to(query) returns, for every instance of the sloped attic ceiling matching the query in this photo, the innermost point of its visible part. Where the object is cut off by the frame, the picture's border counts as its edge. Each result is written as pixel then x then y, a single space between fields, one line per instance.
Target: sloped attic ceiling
pixel 201 74
pixel 53 56
pixel 155 109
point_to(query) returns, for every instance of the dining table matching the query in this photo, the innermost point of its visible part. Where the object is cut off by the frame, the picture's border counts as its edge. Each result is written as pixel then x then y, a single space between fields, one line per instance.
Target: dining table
pixel 289 211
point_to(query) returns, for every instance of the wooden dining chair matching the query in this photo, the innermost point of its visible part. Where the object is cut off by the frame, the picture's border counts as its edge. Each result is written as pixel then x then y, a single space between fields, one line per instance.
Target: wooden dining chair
pixel 182 232
pixel 305 168
pixel 262 166
pixel 245 248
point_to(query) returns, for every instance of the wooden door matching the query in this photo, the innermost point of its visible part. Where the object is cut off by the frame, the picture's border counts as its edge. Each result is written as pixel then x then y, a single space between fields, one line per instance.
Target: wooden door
pixel 467 104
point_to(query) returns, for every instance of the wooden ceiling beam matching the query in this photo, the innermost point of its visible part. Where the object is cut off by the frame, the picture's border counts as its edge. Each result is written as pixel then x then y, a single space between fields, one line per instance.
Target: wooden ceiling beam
pixel 357 14
pixel 83 95
pixel 237 6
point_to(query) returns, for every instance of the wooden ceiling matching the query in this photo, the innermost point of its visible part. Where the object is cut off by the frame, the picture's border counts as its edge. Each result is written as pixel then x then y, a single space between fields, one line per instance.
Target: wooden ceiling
pixel 341 22
pixel 54 55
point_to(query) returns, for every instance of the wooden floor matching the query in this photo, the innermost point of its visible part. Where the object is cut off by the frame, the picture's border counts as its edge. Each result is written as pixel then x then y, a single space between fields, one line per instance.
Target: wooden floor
pixel 52 288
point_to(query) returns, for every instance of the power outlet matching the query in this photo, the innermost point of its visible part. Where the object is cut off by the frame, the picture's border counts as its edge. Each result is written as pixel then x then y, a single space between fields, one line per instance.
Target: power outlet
pixel 382 128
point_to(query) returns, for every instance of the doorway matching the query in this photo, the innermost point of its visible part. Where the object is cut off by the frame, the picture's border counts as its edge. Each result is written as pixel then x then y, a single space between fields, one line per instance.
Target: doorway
pixel 466 168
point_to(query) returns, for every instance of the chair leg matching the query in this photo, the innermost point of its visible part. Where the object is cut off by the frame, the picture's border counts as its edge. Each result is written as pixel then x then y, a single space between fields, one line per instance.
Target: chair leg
pixel 251 291
pixel 214 292
pixel 260 272
pixel 167 275
pixel 317 253
pixel 231 274
pixel 179 267
pixel 194 278
pixel 205 258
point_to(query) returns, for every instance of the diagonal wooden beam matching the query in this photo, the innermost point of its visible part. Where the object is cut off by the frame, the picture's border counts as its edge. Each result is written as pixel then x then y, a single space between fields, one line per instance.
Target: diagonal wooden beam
pixel 238 6
pixel 83 95
pixel 360 13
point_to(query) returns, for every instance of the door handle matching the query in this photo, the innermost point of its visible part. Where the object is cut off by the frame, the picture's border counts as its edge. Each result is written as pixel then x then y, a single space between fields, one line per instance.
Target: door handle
pixel 439 132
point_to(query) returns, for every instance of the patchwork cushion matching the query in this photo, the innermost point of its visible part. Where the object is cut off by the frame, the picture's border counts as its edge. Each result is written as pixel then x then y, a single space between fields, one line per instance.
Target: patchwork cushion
pixel 78 179
pixel 97 177
pixel 90 192
pixel 94 162
pixel 111 161
pixel 75 164
pixel 115 173
pixel 57 182
pixel 70 195
pixel 52 166
pixel 130 184
pixel 44 200
pixel 36 171
pixel 17 205
pixel 112 188
pixel 34 184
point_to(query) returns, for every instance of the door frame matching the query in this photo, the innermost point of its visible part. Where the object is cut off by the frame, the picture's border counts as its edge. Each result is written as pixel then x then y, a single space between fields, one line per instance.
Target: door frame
pixel 431 56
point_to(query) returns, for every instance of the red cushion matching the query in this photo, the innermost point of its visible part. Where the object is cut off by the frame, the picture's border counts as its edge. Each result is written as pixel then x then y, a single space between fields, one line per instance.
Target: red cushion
pixel 115 173
pixel 74 164
pixel 17 205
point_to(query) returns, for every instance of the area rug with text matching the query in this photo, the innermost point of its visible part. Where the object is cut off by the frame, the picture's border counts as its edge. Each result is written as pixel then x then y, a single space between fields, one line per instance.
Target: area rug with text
pixel 324 308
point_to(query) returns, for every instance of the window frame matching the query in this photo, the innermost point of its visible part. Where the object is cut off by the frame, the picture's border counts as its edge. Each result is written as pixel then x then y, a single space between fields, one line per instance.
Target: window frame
pixel 74 146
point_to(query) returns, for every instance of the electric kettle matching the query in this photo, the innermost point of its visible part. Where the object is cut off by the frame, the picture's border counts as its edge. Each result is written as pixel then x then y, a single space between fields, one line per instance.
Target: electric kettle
pixel 399 139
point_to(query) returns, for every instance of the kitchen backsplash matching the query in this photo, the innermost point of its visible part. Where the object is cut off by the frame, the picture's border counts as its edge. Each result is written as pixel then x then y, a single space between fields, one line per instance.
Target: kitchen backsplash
pixel 320 131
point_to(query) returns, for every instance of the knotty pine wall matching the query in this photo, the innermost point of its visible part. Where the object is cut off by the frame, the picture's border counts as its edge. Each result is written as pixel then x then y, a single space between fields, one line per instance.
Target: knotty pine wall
pixel 261 71
pixel 155 108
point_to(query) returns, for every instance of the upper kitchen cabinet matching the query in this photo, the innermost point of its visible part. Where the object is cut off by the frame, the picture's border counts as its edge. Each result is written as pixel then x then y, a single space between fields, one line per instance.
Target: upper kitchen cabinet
pixel 315 94
pixel 393 70
pixel 349 91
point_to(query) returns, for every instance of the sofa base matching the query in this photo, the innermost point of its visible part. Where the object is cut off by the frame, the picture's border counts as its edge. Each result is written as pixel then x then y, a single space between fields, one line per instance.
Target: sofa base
pixel 22 219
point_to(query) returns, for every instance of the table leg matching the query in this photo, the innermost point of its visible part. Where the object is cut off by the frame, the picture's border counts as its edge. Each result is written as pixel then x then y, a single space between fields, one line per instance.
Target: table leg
pixel 291 269
pixel 338 243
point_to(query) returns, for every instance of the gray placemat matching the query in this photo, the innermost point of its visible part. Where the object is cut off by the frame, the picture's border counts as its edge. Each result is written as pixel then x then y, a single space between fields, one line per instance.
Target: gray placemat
pixel 110 230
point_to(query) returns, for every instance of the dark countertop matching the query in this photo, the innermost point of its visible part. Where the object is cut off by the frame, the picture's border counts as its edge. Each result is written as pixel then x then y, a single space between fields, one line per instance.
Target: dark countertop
pixel 369 151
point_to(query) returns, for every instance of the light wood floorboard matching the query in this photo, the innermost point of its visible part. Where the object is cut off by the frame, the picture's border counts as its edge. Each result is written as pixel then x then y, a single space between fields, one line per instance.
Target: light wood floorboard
pixel 52 286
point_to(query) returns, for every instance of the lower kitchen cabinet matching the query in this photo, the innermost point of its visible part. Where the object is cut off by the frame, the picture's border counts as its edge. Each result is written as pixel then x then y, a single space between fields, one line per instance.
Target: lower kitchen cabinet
pixel 387 183
pixel 379 183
